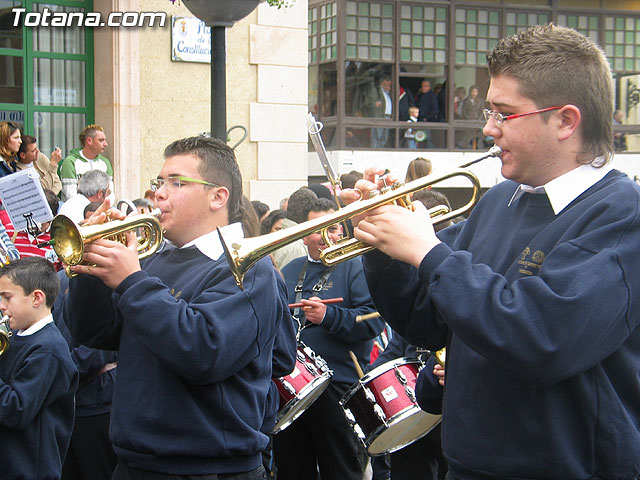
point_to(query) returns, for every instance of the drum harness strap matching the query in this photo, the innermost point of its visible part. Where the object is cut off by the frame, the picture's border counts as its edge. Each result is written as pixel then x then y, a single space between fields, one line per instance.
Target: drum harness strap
pixel 316 289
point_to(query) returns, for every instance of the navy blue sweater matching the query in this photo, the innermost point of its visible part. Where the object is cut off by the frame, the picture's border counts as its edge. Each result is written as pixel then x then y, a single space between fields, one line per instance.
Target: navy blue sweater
pixel 338 333
pixel 37 383
pixel 94 391
pixel 542 367
pixel 195 359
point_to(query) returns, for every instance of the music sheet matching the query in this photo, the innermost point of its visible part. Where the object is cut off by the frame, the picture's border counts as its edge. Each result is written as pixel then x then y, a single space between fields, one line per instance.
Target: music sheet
pixel 22 194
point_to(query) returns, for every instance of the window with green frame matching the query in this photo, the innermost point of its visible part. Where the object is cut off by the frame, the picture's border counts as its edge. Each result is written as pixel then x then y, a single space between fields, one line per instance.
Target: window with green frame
pixel 46 74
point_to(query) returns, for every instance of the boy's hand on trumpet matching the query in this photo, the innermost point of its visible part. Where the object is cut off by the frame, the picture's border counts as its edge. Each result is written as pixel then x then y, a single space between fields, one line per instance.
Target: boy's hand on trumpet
pixel 109 260
pixel 402 233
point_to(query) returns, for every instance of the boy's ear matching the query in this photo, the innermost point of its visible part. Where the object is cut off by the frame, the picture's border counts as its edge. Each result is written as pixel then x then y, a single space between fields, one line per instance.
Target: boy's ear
pixel 38 297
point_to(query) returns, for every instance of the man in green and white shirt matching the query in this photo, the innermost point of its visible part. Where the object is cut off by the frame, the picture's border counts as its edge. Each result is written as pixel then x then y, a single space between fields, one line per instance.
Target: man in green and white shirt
pixel 81 160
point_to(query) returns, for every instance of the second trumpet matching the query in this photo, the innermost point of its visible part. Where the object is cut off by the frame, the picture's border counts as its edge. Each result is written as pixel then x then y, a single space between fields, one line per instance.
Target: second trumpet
pixel 241 256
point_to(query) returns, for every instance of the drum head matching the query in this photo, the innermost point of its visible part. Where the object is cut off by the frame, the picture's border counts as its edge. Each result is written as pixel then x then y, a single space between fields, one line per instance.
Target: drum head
pixel 406 428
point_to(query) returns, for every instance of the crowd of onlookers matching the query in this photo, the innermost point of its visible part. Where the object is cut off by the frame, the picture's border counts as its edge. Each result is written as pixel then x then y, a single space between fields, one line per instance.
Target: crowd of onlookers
pixel 74 185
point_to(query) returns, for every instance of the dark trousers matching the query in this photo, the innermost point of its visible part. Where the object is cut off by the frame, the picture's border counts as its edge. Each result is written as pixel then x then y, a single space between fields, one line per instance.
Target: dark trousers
pixel 124 472
pixel 320 439
pixel 422 459
pixel 90 455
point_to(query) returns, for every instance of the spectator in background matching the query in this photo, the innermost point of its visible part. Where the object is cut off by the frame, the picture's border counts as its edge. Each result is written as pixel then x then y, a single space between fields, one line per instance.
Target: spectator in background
pixel 472 107
pixel 27 244
pixel 410 133
pixel 251 222
pixel 348 180
pixel 273 222
pixel 82 160
pixel 30 156
pixel 427 102
pixel 10 141
pixel 417 168
pixel 321 191
pixel 261 209
pixel 442 102
pixel 405 101
pixel 619 139
pixel 92 187
pixel 458 98
pixel 90 209
pixel 298 202
pixel 8 250
pixel 380 105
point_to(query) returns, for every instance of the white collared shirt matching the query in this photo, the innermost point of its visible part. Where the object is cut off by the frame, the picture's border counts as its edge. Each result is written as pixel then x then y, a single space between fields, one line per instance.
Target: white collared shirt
pixel 564 189
pixel 36 326
pixel 209 243
pixel 388 104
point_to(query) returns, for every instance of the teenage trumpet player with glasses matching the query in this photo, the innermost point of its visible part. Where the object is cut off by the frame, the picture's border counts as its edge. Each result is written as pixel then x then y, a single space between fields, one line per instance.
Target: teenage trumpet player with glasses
pixel 195 351
pixel 537 294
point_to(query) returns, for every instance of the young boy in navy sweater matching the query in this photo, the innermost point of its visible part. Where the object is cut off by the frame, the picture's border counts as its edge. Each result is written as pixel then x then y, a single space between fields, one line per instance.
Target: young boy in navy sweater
pixel 194 351
pixel 38 379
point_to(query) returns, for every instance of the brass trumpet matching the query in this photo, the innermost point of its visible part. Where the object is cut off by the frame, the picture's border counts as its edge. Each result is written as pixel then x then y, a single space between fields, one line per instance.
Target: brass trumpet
pixel 68 238
pixel 241 256
pixel 5 334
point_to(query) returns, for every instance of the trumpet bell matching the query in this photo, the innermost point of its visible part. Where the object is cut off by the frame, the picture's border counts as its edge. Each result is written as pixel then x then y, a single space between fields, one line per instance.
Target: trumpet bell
pixel 5 334
pixel 67 240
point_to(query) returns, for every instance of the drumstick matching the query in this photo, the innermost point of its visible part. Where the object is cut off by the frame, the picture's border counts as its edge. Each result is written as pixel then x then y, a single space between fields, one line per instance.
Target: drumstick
pixel 368 316
pixel 356 364
pixel 325 301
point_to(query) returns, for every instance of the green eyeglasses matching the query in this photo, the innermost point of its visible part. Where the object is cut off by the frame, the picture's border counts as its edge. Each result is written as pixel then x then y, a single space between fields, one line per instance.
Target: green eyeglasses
pixel 174 182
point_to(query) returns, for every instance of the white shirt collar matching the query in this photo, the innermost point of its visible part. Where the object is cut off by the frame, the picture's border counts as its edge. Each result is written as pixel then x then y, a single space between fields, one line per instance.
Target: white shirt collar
pixel 564 189
pixel 36 326
pixel 209 243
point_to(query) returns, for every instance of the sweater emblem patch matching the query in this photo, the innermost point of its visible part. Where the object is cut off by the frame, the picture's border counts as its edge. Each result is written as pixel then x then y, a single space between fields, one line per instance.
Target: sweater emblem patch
pixel 328 285
pixel 530 263
pixel 174 294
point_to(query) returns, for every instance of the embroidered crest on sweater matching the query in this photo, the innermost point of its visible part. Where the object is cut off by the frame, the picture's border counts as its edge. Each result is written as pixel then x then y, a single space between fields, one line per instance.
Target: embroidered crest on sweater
pixel 530 263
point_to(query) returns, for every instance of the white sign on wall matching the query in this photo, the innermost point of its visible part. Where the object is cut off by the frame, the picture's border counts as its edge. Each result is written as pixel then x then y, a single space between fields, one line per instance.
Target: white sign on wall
pixel 190 40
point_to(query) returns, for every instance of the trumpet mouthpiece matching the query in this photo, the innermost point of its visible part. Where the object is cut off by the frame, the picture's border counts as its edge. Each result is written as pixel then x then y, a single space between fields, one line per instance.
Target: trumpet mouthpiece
pixel 495 151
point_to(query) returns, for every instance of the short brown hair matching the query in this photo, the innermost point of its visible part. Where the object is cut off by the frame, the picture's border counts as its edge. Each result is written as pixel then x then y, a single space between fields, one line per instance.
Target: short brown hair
pixel 89 131
pixel 558 66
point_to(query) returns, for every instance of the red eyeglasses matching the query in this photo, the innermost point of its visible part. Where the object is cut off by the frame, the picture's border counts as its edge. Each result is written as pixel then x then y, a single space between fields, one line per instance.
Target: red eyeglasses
pixel 500 118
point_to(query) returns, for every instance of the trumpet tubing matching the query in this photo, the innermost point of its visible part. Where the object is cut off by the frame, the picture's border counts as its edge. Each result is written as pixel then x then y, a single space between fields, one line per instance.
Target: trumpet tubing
pixel 242 255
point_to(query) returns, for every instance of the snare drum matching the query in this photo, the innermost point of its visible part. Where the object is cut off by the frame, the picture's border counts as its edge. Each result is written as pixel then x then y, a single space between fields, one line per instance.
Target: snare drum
pixel 299 389
pixel 382 409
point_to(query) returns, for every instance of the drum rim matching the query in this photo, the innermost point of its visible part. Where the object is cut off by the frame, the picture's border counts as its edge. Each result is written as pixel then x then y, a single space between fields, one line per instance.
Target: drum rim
pixel 398 417
pixel 324 378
